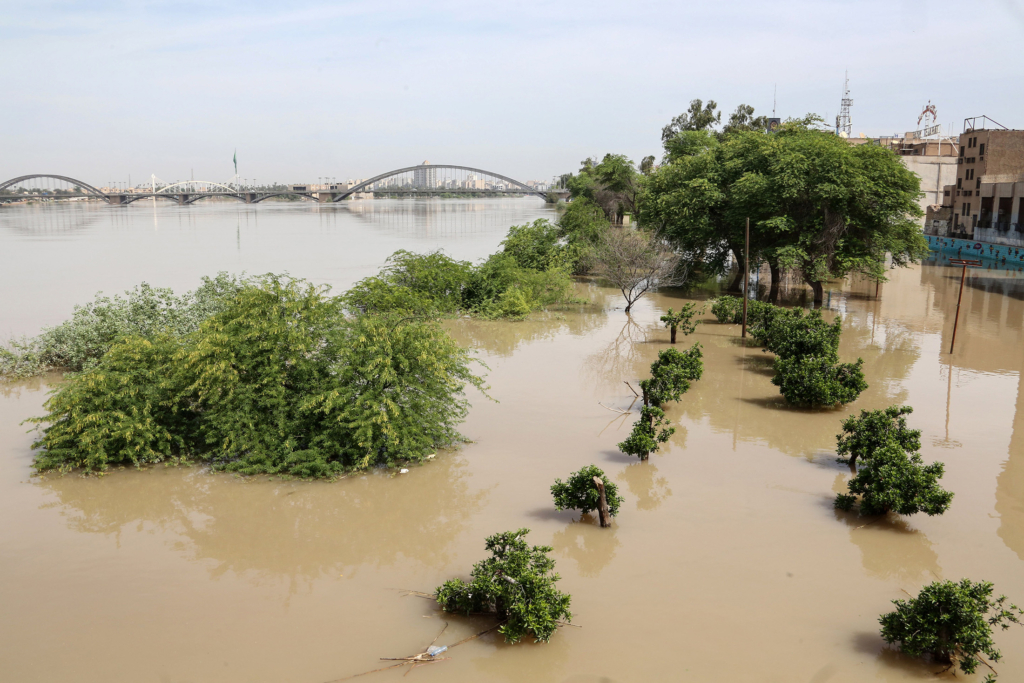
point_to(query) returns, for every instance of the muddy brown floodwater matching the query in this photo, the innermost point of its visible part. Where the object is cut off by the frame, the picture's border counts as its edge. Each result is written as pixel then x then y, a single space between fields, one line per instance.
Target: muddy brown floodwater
pixel 727 561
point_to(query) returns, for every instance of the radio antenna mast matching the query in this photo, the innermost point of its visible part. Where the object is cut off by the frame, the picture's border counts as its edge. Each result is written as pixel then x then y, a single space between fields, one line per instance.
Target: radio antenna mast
pixel 843 123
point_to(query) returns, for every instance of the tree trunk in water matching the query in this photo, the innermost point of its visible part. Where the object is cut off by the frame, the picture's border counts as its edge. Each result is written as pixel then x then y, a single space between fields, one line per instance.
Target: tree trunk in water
pixel 603 512
pixel 737 281
pixel 819 293
pixel 773 293
pixel 672 332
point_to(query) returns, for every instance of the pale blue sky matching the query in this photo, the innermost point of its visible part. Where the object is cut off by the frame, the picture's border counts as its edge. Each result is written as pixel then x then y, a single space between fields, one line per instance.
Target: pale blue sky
pixel 97 90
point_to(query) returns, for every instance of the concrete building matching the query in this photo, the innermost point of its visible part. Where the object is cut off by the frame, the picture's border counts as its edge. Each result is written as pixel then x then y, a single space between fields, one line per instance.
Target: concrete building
pixel 424 177
pixel 986 202
pixel 933 160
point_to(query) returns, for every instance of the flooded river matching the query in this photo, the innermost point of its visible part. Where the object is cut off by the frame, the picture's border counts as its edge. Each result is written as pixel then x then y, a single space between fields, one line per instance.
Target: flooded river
pixel 727 561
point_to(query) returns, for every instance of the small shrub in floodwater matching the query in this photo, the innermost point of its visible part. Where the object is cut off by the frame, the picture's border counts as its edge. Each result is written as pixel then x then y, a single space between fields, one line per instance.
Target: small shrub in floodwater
pixel 517 584
pixel 951 622
pixel 892 480
pixel 649 432
pixel 863 435
pixel 579 493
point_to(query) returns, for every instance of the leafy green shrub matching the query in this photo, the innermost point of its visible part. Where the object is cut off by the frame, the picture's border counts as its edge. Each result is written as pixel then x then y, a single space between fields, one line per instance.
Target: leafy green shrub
pixel 671 375
pixel 145 311
pixel 537 246
pixel 893 480
pixel 413 282
pixel 683 320
pixel 123 410
pixel 874 429
pixel 277 382
pixel 579 493
pixel 517 583
pixel 810 381
pixel 649 432
pixel 434 284
pixel 581 226
pixel 501 274
pixel 791 334
pixel 952 622
pixel 728 309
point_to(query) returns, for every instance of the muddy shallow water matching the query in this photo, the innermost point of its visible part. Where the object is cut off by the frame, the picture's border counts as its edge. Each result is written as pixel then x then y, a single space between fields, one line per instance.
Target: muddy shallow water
pixel 727 561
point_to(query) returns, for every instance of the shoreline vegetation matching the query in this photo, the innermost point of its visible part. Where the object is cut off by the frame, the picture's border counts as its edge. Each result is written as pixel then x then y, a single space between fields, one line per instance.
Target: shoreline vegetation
pixel 273 375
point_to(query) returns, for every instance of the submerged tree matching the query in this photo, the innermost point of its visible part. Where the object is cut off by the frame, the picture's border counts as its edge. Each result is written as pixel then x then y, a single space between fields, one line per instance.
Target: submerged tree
pixel 951 622
pixel 636 262
pixel 649 432
pixel 892 480
pixel 671 375
pixel 873 429
pixel 580 491
pixel 815 202
pixel 682 320
pixel 816 381
pixel 517 584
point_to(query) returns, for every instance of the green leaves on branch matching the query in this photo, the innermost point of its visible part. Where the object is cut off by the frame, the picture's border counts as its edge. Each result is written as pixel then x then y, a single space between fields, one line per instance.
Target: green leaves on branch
pixel 145 311
pixel 672 373
pixel 279 381
pixel 517 584
pixel 649 432
pixel 815 381
pixel 531 271
pixel 873 429
pixel 951 622
pixel 807 370
pixel 892 476
pixel 579 493
pixel 892 480
pixel 681 320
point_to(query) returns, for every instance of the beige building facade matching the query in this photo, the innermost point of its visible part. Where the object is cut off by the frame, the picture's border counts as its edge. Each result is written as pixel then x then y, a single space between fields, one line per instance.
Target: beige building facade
pixel 986 201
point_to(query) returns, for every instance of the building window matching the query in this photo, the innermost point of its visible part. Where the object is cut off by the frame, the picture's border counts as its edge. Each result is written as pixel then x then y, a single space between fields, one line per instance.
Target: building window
pixel 981 150
pixel 978 187
pixel 959 183
pixel 961 150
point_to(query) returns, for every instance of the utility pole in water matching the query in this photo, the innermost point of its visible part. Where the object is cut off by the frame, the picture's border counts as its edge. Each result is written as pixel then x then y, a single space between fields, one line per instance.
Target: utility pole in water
pixel 963 276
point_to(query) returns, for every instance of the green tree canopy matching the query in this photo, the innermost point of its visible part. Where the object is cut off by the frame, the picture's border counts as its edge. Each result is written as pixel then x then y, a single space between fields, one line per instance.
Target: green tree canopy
pixel 952 622
pixel 516 583
pixel 815 202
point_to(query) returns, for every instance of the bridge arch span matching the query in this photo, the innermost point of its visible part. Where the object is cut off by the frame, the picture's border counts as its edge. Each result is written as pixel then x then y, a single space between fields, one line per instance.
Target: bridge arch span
pixel 409 169
pixel 20 179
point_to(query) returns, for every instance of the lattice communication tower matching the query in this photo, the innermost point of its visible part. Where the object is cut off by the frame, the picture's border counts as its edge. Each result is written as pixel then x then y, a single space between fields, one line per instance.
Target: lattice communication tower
pixel 843 123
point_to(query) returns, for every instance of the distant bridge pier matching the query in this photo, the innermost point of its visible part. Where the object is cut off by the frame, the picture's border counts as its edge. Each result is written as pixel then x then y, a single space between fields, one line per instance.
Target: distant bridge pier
pixel 326 197
pixel 117 199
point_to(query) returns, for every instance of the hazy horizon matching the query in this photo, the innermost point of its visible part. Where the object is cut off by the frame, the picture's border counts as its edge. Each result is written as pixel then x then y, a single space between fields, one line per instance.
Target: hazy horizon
pixel 111 89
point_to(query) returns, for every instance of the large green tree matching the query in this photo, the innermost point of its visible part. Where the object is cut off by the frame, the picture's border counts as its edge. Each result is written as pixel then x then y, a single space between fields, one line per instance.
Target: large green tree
pixel 814 201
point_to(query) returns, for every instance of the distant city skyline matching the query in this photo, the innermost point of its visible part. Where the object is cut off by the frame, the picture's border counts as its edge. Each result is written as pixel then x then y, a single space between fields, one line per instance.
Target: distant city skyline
pixel 107 90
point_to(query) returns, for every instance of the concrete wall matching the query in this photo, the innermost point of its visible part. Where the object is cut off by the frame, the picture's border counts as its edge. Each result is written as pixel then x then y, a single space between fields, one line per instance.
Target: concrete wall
pixel 935 173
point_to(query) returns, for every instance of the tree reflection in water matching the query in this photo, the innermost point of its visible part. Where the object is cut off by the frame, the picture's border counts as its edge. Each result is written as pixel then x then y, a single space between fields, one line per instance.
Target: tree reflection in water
pixel 290 529
pixel 588 544
pixel 648 488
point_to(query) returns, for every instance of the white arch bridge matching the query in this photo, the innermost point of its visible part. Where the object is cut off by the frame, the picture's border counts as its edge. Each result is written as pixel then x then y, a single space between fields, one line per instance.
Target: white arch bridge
pixel 420 180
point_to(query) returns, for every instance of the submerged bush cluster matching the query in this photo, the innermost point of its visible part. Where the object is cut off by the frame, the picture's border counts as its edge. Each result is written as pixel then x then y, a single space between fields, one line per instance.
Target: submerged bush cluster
pixel 892 476
pixel 278 381
pixel 80 342
pixel 578 491
pixel 671 375
pixel 951 622
pixel 517 584
pixel 531 271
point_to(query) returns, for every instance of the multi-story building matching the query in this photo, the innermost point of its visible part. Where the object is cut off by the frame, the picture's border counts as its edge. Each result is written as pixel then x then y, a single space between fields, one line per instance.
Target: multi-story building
pixel 987 201
pixel 424 177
